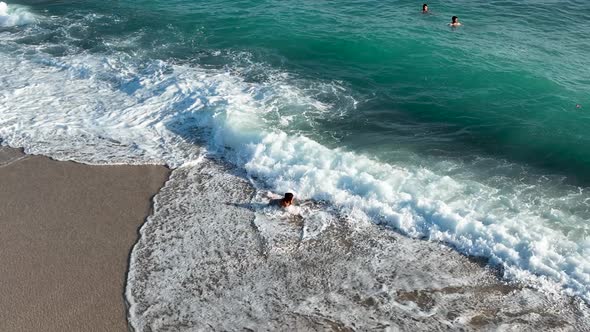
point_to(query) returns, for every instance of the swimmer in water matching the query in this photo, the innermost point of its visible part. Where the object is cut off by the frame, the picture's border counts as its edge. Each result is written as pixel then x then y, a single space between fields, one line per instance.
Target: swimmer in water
pixel 425 8
pixel 283 202
pixel 454 22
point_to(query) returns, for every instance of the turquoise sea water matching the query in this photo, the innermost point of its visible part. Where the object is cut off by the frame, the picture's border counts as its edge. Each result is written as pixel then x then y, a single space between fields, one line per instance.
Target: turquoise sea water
pixel 504 85
pixel 476 136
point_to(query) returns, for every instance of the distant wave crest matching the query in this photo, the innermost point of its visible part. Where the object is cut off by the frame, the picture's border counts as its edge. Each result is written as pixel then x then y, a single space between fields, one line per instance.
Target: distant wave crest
pixel 14 16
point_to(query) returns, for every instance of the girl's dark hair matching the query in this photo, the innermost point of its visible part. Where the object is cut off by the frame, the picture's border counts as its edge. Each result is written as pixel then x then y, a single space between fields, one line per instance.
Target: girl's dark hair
pixel 289 196
pixel 424 5
pixel 454 18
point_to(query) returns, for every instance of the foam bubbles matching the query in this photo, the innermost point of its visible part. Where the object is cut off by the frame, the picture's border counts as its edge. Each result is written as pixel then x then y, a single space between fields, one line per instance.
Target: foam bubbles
pixel 115 109
pixel 420 203
pixel 206 261
pixel 10 16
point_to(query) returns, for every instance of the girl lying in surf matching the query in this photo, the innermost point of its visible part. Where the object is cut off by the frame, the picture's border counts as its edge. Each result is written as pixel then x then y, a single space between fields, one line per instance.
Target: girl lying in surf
pixel 282 202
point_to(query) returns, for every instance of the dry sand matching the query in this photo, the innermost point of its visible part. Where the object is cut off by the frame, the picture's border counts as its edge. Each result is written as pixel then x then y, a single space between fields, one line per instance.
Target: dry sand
pixel 66 230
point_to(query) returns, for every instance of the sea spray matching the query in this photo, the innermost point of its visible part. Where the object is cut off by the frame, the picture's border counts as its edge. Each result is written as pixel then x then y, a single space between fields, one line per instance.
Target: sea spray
pixel 13 17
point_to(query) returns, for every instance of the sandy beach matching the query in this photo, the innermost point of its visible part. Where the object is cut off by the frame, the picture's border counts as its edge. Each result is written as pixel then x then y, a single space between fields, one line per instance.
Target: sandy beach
pixel 207 260
pixel 66 233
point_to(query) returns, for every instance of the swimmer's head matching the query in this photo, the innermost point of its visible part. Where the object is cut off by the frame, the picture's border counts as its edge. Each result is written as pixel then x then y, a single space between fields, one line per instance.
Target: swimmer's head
pixel 288 199
pixel 425 8
pixel 454 19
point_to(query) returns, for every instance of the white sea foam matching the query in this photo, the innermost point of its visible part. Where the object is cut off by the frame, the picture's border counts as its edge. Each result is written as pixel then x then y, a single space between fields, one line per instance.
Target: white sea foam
pixel 206 261
pixel 112 109
pixel 10 16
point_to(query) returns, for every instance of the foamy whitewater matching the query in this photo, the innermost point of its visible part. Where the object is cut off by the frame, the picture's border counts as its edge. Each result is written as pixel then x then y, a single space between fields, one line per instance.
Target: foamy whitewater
pixel 14 17
pixel 61 100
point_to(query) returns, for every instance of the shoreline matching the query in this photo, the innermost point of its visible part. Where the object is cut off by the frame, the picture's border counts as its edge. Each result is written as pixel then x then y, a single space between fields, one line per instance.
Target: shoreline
pixel 341 274
pixel 211 256
pixel 67 234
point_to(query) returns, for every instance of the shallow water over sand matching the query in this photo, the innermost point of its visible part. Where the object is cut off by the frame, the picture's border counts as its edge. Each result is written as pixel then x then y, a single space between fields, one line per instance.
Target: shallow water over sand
pixel 213 257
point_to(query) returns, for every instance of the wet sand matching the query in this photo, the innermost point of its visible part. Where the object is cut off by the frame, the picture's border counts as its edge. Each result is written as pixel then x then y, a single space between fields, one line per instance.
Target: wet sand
pixel 214 257
pixel 66 230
